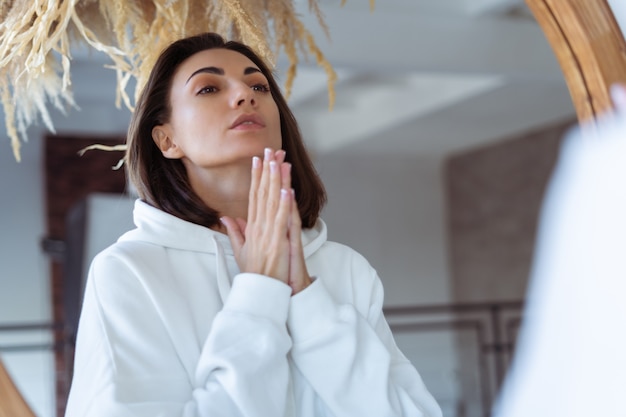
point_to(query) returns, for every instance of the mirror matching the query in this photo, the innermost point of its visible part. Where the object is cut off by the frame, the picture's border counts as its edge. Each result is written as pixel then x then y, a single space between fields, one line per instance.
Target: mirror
pixel 435 158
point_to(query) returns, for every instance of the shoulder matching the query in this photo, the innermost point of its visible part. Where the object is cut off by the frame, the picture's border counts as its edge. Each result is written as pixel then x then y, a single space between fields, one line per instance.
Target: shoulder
pixel 127 252
pixel 320 251
pixel 347 275
pixel 339 254
pixel 125 266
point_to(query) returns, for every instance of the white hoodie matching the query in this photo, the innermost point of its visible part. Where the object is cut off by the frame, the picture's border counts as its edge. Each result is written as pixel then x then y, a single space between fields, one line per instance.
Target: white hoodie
pixel 170 327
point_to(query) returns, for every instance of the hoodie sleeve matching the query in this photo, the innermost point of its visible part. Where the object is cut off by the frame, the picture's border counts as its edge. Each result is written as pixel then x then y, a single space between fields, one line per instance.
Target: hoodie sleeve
pixel 127 364
pixel 347 352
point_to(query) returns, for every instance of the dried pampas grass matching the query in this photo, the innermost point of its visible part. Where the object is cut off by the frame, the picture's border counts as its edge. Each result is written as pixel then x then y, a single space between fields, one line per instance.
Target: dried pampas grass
pixel 36 35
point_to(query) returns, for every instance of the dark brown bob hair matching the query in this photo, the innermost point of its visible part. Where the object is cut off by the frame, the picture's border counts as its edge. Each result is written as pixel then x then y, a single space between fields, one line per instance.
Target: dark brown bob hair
pixel 163 182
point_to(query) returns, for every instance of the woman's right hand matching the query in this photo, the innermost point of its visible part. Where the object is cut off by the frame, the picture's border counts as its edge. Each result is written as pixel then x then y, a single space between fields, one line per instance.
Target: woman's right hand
pixel 261 243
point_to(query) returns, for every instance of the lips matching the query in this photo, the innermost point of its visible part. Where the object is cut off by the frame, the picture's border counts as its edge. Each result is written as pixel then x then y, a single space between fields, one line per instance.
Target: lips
pixel 247 120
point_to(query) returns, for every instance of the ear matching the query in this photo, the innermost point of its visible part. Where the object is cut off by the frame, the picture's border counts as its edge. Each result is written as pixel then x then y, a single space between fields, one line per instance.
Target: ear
pixel 162 137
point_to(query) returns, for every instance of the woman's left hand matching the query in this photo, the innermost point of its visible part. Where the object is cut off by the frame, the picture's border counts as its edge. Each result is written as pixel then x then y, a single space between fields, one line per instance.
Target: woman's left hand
pixel 299 278
pixel 238 231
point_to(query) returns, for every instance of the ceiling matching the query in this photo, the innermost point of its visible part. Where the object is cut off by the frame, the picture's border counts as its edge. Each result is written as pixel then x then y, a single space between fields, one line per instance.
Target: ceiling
pixel 429 77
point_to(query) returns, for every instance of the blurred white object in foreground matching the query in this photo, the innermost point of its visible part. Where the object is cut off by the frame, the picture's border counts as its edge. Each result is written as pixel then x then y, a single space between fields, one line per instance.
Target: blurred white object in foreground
pixel 571 356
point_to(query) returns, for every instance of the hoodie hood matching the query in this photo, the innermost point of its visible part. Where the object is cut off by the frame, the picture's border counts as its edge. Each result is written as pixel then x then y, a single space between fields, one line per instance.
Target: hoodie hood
pixel 160 228
pixel 163 229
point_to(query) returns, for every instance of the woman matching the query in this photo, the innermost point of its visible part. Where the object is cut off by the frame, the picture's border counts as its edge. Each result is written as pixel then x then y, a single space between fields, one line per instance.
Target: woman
pixel 227 300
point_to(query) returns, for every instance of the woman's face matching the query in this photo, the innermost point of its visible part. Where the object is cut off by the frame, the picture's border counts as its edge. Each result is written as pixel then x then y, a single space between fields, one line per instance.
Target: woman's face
pixel 222 111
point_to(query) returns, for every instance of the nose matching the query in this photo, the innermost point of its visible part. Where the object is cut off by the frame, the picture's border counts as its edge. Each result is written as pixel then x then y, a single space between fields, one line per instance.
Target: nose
pixel 243 95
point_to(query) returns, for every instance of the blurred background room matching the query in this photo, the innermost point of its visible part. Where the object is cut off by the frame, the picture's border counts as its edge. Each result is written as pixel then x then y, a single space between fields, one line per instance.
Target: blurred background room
pixel 447 124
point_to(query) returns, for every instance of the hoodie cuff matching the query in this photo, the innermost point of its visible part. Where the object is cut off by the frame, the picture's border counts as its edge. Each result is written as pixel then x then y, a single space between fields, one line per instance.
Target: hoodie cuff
pixel 311 312
pixel 259 295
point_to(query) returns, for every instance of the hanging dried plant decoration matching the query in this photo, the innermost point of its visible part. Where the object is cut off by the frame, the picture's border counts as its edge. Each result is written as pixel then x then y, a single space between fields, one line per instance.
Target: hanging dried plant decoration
pixel 36 38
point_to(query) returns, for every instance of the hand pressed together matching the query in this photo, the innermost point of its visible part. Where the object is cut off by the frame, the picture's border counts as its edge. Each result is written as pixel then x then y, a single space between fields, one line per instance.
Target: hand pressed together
pixel 269 241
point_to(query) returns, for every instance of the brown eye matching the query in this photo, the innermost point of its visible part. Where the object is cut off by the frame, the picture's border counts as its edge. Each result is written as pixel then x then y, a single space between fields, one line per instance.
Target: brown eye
pixel 263 88
pixel 207 90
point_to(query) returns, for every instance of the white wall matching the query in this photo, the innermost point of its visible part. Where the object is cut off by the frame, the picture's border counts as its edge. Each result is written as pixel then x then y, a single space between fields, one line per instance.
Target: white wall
pixel 619 10
pixel 24 280
pixel 391 209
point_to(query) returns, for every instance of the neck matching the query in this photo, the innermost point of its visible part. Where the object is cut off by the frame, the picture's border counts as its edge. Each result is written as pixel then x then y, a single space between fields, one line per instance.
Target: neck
pixel 225 189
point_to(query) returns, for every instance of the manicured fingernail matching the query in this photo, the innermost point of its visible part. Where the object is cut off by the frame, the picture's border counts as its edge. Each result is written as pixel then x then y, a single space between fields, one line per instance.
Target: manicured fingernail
pixel 283 193
pixel 268 153
pixel 273 166
pixel 256 162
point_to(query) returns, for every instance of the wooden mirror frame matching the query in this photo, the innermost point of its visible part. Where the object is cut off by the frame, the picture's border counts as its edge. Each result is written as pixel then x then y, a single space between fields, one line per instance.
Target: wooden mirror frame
pixel 589 47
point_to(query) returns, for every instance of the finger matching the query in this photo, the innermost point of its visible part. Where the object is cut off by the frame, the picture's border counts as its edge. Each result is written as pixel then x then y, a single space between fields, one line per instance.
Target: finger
pixel 279 156
pixel 254 188
pixel 273 192
pixel 284 171
pixel 277 240
pixel 281 221
pixel 285 175
pixel 295 223
pixel 262 191
pixel 242 225
pixel 235 233
pixel 298 276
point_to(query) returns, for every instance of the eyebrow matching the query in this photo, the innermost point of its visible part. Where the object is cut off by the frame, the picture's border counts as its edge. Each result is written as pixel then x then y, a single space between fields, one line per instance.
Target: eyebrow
pixel 220 71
